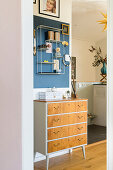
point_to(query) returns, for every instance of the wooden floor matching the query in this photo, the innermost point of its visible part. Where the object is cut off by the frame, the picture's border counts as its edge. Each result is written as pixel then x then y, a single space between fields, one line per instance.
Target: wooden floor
pixel 95 159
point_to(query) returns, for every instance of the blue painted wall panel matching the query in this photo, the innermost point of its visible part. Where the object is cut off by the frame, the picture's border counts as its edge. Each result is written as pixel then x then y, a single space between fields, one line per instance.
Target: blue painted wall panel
pixel 49 81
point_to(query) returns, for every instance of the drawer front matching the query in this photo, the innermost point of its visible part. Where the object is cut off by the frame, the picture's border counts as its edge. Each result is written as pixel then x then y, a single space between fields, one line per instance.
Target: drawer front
pixel 67 143
pixel 56 133
pixel 68 107
pixel 81 106
pixel 57 145
pixel 66 131
pixel 77 117
pixel 77 129
pixel 77 140
pixel 60 120
pixel 54 108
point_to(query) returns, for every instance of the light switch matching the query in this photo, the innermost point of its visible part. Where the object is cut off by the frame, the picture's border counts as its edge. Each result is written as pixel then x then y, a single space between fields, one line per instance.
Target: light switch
pixel 67 58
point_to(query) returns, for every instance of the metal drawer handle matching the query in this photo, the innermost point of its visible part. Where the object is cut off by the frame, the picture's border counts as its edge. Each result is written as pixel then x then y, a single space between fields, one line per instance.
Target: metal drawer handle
pixel 56 145
pixel 80 139
pixel 80 128
pixel 80 117
pixel 56 132
pixel 56 107
pixel 56 120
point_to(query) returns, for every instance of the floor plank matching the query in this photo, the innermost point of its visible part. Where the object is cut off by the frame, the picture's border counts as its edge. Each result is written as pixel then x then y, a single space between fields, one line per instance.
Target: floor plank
pixel 95 159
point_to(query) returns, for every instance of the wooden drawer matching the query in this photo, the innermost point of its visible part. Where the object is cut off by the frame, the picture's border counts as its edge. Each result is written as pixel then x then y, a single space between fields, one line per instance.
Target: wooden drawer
pixel 56 133
pixel 77 117
pixel 68 107
pixel 77 140
pixel 60 120
pixel 66 131
pixel 81 106
pixel 77 129
pixel 67 143
pixel 54 108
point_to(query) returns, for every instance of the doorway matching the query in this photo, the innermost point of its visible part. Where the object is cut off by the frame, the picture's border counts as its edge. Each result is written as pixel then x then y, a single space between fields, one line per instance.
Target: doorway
pixel 110 81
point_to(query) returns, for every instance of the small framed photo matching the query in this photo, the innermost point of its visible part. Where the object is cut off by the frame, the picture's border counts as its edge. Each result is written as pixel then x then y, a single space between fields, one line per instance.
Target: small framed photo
pixel 65 29
pixel 34 1
pixel 50 7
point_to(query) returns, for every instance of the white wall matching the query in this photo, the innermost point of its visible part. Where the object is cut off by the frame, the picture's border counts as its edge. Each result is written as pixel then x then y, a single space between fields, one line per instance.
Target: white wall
pixel 110 87
pixel 27 125
pixel 10 86
pixel 15 103
pixel 103 44
pixel 65 11
pixel 99 104
pixel 84 71
pixel 86 74
pixel 85 90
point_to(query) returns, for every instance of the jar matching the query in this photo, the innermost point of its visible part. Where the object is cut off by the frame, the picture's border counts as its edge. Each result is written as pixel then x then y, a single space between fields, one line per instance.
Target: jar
pixel 57 36
pixel 50 35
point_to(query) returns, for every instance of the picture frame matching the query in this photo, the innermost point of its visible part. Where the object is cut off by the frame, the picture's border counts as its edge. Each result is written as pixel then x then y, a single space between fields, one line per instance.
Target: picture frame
pixel 65 29
pixel 34 1
pixel 52 9
pixel 73 68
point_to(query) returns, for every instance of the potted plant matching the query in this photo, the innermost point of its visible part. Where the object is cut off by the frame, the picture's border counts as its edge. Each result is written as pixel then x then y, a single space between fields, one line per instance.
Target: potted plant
pixel 99 59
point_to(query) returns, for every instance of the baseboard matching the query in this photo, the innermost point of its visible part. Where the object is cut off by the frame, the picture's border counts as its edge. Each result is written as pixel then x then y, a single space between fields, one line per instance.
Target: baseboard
pixel 40 157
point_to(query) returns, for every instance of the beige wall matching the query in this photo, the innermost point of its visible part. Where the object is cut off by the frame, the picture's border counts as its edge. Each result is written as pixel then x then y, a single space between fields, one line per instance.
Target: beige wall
pixel 65 11
pixel 103 44
pixel 85 72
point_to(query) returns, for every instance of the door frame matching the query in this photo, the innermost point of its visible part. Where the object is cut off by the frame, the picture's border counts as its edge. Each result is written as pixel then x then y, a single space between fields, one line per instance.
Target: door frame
pixel 27 87
pixel 110 86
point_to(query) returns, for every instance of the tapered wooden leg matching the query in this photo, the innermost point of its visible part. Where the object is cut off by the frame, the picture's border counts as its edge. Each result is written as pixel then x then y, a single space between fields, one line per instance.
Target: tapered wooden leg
pixel 83 149
pixel 70 151
pixel 47 162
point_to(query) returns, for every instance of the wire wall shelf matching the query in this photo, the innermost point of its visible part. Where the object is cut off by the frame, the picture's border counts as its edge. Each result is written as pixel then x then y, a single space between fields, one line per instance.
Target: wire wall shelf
pixel 46 63
pixel 42 53
pixel 49 28
pixel 48 73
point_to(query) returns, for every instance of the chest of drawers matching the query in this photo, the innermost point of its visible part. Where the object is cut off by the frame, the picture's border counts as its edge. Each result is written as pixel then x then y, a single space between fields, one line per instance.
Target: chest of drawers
pixel 60 125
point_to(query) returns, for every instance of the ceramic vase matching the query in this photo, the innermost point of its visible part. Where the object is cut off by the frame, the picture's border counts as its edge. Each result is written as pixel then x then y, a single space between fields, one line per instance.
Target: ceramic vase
pixel 103 69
